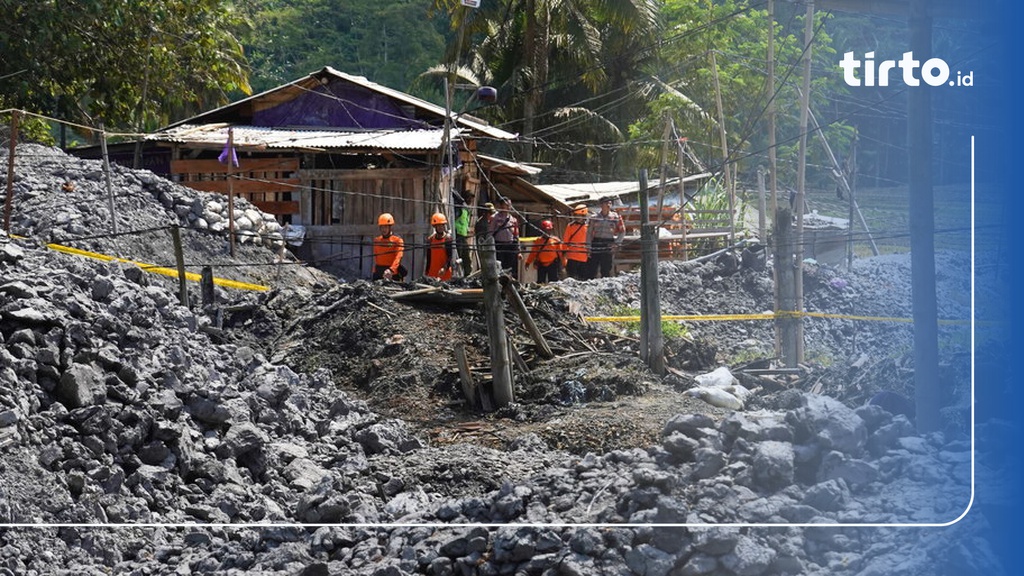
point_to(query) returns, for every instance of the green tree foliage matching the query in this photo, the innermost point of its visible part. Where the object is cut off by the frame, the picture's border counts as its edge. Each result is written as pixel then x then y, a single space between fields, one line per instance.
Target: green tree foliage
pixel 132 65
pixel 737 33
pixel 558 63
pixel 388 42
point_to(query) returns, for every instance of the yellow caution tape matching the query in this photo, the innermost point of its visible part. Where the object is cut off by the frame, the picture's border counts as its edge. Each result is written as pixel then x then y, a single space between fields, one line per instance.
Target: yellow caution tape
pixel 172 272
pixel 765 316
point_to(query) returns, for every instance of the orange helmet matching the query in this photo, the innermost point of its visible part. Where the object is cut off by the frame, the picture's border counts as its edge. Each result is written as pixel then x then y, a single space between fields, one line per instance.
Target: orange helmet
pixel 438 218
pixel 580 210
pixel 546 225
pixel 385 219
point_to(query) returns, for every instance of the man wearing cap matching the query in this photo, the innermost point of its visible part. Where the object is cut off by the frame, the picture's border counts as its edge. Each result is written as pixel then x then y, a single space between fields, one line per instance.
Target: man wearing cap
pixel 575 244
pixel 605 234
pixel 504 228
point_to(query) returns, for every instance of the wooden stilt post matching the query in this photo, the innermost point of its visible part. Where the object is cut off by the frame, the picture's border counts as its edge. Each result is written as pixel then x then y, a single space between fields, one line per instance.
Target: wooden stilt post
pixel 501 369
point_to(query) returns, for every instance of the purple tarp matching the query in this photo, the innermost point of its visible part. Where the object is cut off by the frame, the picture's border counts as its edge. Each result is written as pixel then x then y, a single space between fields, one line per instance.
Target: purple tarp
pixel 338 105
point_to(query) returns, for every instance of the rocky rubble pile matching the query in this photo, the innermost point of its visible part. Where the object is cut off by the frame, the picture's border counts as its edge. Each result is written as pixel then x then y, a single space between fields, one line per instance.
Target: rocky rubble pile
pixel 151 432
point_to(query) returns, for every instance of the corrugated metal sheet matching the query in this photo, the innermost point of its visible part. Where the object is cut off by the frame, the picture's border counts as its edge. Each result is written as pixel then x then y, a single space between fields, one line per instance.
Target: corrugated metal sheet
pixel 588 192
pixel 508 166
pixel 257 137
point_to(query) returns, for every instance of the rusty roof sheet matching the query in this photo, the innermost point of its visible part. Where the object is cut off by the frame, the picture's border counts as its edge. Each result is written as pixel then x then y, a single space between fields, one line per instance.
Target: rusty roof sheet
pixel 594 191
pixel 259 137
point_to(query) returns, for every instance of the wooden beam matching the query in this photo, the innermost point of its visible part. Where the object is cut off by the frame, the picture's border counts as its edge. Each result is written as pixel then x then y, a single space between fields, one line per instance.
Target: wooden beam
pixel 381 174
pixel 277 208
pixel 245 186
pixel 245 165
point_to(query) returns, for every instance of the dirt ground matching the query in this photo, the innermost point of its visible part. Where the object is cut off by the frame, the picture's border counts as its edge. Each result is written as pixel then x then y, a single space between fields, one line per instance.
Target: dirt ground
pixel 595 395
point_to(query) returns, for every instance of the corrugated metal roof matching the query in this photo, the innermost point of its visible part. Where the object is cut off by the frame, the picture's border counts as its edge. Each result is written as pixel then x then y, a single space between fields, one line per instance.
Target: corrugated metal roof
pixel 215 136
pixel 594 191
pixel 511 166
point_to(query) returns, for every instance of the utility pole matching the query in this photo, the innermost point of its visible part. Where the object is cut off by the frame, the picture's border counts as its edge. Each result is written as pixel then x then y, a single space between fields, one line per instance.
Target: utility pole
pixel 928 392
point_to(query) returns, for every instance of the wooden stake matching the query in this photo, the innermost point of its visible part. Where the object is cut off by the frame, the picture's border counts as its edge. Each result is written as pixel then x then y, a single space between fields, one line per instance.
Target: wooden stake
pixel 524 314
pixel 784 290
pixel 465 376
pixel 106 177
pixel 13 144
pixel 231 190
pixel 179 258
pixel 209 296
pixel 652 344
pixel 501 370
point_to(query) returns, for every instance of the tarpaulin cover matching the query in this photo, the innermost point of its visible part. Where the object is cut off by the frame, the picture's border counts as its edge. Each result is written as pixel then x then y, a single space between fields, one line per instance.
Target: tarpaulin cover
pixel 339 105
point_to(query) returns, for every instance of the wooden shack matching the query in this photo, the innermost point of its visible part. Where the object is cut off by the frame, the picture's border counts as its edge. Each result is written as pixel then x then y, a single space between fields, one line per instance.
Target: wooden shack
pixel 331 151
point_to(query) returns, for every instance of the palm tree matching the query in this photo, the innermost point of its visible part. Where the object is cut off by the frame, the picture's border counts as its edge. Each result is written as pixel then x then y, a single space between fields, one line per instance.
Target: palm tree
pixel 551 53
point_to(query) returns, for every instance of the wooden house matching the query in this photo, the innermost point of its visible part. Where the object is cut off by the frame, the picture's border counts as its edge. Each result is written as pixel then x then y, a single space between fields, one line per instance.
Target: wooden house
pixel 331 151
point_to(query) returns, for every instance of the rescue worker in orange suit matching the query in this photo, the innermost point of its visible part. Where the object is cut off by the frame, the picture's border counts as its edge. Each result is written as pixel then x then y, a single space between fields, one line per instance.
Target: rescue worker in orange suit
pixel 546 254
pixel 439 249
pixel 575 244
pixel 388 250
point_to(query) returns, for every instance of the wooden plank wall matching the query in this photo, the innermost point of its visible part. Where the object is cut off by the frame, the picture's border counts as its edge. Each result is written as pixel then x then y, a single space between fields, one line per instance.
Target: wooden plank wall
pixel 344 205
pixel 694 232
pixel 269 183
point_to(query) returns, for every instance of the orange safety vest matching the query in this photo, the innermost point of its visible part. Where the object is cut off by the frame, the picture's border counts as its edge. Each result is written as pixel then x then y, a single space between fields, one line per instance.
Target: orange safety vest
pixel 388 251
pixel 545 251
pixel 439 255
pixel 576 241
